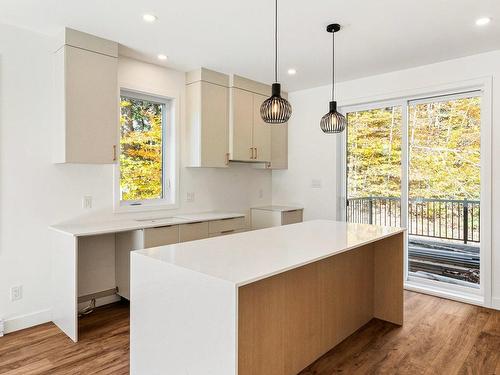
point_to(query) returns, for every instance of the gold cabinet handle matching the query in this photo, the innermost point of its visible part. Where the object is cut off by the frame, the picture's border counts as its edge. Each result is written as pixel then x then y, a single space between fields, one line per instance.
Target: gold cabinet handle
pixel 114 152
pixel 256 153
pixel 227 158
pixel 251 152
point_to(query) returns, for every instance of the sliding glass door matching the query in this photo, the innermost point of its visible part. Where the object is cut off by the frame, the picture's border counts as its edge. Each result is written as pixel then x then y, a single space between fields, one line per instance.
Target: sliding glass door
pixel 444 140
pixel 416 164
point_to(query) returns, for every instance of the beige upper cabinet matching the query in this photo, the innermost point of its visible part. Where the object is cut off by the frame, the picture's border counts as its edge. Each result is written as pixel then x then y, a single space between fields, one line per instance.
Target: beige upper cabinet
pixel 261 135
pixel 207 115
pixel 249 136
pixel 86 83
pixel 241 128
pixel 279 147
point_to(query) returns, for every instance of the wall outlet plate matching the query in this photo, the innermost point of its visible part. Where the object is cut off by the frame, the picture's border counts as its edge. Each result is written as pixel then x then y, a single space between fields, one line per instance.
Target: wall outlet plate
pixel 16 293
pixel 190 197
pixel 87 202
pixel 316 184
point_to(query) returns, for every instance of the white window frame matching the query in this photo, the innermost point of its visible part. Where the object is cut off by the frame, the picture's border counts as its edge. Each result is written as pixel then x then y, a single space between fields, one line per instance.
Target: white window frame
pixel 170 153
pixel 482 296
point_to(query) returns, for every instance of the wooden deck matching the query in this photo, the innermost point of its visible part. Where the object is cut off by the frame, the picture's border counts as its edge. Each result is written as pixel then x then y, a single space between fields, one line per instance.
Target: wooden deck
pixel 438 337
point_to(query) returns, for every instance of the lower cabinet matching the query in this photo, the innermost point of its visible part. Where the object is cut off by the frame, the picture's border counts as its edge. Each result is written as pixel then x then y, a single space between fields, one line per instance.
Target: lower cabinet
pixel 153 237
pixel 193 231
pixel 125 242
pixel 273 216
pixel 226 226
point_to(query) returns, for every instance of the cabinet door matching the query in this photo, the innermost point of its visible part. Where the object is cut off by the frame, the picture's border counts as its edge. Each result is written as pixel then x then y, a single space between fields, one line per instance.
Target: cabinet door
pixel 161 236
pixel 261 131
pixel 241 125
pixel 279 147
pixel 291 217
pixel 193 231
pixel 91 106
pixel 214 125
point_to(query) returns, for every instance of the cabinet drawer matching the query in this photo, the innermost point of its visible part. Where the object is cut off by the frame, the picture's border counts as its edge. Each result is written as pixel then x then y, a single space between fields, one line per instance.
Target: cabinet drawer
pixel 193 231
pixel 161 236
pixel 227 232
pixel 291 217
pixel 224 225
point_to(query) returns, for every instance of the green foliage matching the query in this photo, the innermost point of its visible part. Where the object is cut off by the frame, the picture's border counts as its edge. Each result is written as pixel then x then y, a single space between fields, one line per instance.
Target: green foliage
pixel 374 153
pixel 444 151
pixel 141 140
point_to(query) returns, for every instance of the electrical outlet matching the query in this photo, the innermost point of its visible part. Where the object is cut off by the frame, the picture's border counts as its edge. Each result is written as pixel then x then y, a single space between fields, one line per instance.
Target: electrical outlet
pixel 190 197
pixel 87 202
pixel 316 184
pixel 261 193
pixel 16 293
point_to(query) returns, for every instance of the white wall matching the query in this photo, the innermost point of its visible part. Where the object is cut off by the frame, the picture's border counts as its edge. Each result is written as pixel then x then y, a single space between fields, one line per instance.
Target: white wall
pixel 35 193
pixel 313 155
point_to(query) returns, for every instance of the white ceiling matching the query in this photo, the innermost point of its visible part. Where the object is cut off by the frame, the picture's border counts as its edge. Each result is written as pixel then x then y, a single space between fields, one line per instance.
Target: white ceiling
pixel 237 36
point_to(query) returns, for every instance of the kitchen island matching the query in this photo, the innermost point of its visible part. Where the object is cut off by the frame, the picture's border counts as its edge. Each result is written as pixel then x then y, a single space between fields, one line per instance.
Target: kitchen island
pixel 269 301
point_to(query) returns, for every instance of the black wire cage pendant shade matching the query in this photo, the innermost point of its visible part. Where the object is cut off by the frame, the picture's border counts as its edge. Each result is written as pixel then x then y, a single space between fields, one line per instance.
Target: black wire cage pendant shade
pixel 333 122
pixel 275 110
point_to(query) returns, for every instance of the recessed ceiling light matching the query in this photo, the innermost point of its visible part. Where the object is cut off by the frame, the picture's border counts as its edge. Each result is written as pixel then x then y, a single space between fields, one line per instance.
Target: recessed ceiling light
pixel 162 57
pixel 483 21
pixel 149 17
pixel 292 71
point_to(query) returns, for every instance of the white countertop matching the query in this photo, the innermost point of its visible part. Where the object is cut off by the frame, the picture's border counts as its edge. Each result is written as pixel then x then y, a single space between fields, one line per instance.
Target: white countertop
pixel 93 227
pixel 246 257
pixel 278 208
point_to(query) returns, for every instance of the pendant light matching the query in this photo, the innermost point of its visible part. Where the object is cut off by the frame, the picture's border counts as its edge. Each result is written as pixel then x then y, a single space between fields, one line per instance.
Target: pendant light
pixel 275 110
pixel 333 122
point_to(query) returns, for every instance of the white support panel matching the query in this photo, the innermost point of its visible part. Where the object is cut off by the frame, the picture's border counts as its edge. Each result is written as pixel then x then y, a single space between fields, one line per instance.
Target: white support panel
pixel 64 283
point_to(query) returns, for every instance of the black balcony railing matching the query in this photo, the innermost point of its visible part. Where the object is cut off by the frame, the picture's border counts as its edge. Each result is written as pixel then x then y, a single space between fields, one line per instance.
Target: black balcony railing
pixel 436 218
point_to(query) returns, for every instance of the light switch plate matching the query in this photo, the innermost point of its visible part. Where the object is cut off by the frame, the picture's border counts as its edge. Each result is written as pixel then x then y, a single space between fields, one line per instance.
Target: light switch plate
pixel 190 197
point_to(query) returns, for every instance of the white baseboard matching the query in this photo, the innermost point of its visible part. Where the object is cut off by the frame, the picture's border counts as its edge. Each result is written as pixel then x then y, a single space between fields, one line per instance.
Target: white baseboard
pixel 28 320
pixel 495 303
pixel 44 316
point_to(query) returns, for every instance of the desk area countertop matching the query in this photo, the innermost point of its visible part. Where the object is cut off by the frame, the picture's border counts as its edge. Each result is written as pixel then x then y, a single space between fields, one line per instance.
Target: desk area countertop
pixel 247 257
pixel 278 208
pixel 89 228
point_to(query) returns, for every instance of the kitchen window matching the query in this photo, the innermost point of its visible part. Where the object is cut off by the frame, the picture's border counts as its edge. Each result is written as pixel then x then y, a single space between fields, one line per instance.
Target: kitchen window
pixel 146 168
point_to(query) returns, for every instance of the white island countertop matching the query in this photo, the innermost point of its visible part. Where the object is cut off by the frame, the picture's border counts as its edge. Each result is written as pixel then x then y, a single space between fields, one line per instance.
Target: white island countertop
pixel 247 257
pixel 89 227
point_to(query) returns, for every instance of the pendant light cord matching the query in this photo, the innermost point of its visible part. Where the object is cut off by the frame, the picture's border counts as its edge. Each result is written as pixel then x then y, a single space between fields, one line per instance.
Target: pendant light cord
pixel 276 42
pixel 333 65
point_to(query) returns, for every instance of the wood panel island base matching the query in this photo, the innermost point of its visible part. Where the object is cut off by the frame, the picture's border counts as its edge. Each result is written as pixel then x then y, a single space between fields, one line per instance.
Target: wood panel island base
pixel 264 302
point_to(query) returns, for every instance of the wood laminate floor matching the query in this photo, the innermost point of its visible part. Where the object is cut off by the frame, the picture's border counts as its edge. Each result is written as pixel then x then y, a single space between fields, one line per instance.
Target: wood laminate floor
pixel 439 337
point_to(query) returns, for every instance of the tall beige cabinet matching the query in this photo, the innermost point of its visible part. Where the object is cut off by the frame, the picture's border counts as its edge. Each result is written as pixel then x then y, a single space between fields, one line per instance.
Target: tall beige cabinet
pixel 86 86
pixel 207 118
